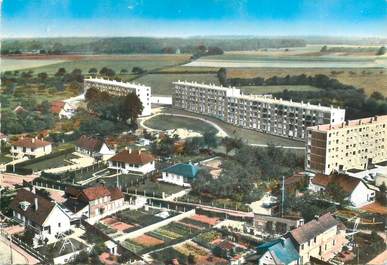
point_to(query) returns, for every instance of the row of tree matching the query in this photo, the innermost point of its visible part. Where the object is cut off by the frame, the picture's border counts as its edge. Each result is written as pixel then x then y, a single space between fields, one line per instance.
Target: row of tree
pixel 331 92
pixel 142 44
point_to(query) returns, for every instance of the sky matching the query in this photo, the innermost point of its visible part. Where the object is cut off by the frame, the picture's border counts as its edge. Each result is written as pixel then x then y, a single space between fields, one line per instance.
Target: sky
pixel 182 18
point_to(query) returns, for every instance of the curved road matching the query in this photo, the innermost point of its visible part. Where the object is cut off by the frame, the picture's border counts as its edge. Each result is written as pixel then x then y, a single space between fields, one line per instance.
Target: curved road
pixel 221 132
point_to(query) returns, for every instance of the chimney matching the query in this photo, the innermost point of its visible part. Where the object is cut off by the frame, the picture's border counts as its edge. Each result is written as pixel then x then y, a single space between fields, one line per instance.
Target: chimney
pixel 316 217
pixel 36 204
pixel 130 150
pixel 33 140
pixel 283 241
pixel 33 190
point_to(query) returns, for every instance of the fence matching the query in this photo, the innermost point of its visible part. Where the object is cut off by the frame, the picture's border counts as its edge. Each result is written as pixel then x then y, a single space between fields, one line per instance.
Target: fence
pixel 20 167
pixel 31 251
pixel 51 184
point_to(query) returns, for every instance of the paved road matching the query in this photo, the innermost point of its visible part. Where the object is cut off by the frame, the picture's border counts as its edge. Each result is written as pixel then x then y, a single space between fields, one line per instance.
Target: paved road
pixel 221 133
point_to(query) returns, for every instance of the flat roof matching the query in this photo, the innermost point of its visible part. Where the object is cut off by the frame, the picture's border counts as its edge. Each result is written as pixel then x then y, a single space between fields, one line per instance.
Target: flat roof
pixel 351 123
pixel 203 85
pixel 260 98
pixel 116 83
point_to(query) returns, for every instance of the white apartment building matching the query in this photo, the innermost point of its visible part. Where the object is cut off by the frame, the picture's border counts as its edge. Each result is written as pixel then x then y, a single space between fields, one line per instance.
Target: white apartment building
pixel 119 88
pixel 256 112
pixel 350 145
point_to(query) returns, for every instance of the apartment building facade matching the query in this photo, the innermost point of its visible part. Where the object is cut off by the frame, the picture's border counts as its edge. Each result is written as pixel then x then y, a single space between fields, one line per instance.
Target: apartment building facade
pixel 256 112
pixel 118 88
pixel 355 144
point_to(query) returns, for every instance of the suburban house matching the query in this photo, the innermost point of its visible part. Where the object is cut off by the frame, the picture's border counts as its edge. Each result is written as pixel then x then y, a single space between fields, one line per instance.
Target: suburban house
pixel 94 201
pixel 31 147
pixel 278 251
pixel 46 218
pixel 19 109
pixel 136 161
pixel 180 174
pixel 63 109
pixel 320 238
pixel 94 147
pixel 359 192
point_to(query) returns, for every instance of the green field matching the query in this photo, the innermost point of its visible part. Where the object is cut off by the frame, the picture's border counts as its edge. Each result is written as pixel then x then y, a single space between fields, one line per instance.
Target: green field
pixel 166 122
pixel 275 89
pixel 162 83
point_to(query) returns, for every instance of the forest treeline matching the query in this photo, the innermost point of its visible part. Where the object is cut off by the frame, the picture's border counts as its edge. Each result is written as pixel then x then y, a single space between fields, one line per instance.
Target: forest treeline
pixel 124 45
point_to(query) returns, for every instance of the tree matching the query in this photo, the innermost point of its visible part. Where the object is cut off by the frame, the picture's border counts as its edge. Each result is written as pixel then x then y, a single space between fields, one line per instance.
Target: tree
pixel 191 259
pixel 130 108
pixel 324 48
pixel 377 95
pixel 93 70
pixel 336 192
pixel 42 76
pixel 381 196
pixel 209 138
pixel 107 72
pixel 381 51
pixel 61 71
pixel 123 71
pixel 137 70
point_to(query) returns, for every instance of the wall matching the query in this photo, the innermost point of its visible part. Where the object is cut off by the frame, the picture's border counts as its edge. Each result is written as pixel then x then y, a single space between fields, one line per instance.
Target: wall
pixel 161 100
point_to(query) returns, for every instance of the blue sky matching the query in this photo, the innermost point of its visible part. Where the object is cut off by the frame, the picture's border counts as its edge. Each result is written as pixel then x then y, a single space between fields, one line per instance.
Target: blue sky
pixel 32 18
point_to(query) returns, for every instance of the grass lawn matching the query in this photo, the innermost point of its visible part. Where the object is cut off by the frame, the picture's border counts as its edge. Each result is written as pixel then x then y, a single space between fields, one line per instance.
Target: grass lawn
pixel 249 136
pixel 164 122
pixel 50 163
pixel 275 89
pixel 162 83
pixel 5 159
pixel 189 70
pixel 155 187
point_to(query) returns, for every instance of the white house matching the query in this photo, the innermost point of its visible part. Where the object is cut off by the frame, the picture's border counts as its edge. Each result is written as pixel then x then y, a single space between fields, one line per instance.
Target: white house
pixel 94 147
pixel 136 161
pixel 63 109
pixel 31 147
pixel 360 193
pixel 180 174
pixel 46 218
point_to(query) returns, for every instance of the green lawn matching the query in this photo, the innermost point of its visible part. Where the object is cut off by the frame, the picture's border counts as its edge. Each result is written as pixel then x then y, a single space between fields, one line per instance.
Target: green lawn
pixel 248 136
pixel 50 162
pixel 162 83
pixel 275 89
pixel 166 122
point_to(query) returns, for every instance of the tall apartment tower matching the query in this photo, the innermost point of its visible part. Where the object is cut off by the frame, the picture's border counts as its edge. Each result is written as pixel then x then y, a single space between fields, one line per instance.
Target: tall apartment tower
pixel 354 144
pixel 118 88
pixel 255 112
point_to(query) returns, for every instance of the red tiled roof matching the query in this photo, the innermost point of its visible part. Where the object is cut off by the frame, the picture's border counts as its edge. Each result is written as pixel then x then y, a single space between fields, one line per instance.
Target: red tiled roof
pixel 56 106
pixel 94 193
pixel 116 194
pixel 347 183
pixel 37 216
pixel 30 142
pixel 313 228
pixel 89 143
pixel 136 157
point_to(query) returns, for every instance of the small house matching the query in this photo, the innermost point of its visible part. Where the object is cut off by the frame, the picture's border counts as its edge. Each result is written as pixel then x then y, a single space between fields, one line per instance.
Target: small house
pixel 94 147
pixel 137 161
pixel 31 147
pixel 278 251
pixel 180 174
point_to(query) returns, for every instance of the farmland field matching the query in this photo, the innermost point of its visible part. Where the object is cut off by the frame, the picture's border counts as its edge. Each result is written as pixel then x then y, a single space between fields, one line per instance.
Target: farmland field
pixel 166 122
pixel 115 62
pixel 18 64
pixel 162 83
pixel 275 89
pixel 369 79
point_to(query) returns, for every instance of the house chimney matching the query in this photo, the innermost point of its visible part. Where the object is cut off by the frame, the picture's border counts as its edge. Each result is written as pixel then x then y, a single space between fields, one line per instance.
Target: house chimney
pixel 33 190
pixel 33 140
pixel 36 204
pixel 316 217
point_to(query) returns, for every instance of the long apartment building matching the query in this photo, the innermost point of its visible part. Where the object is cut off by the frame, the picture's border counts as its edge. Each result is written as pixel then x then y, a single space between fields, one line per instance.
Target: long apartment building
pixel 355 144
pixel 118 88
pixel 256 112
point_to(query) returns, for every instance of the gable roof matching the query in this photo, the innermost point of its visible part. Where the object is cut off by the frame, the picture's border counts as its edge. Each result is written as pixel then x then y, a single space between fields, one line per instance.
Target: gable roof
pixel 282 250
pixel 19 109
pixel 30 142
pixel 136 157
pixel 347 183
pixel 96 192
pixel 185 170
pixel 89 143
pixel 37 216
pixel 313 228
